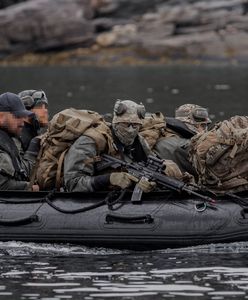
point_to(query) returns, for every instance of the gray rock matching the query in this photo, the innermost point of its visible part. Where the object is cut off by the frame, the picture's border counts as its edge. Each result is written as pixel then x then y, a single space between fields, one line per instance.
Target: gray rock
pixel 176 28
pixel 218 4
pixel 45 24
pixel 184 14
pixel 106 24
pixel 123 8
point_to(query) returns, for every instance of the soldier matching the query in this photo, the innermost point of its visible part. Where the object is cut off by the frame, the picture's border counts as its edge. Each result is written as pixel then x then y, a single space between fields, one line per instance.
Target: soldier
pixel 14 169
pixel 195 117
pixel 36 102
pixel 122 140
pixel 170 137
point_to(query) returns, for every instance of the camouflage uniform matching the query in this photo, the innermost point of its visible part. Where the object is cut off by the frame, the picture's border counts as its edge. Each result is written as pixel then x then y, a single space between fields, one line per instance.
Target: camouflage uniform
pixel 81 176
pixel 79 171
pixel 176 144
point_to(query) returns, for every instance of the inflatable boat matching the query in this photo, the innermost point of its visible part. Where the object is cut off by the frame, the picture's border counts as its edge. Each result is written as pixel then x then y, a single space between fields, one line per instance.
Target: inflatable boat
pixel 161 219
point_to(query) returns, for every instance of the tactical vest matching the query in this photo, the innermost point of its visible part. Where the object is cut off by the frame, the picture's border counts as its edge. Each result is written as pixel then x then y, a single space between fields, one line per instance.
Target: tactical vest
pixel 64 128
pixel 8 145
pixel 220 155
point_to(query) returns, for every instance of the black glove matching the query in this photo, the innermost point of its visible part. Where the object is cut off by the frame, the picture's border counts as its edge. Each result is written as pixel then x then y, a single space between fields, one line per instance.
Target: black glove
pixel 34 147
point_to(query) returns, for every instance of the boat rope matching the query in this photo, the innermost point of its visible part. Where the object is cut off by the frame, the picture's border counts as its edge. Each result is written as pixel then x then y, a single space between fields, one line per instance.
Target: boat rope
pixel 110 200
pixel 116 197
pixel 24 220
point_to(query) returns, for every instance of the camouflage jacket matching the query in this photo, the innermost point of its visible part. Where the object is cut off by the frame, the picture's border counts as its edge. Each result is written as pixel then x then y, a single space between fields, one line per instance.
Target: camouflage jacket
pixel 79 171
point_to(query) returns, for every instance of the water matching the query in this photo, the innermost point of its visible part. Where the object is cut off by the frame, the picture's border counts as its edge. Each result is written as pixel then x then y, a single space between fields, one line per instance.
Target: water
pixel 222 89
pixel 53 271
pixel 47 271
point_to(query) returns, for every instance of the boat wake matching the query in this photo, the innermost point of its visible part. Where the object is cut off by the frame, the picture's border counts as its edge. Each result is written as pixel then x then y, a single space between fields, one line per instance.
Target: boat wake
pixel 237 247
pixel 14 248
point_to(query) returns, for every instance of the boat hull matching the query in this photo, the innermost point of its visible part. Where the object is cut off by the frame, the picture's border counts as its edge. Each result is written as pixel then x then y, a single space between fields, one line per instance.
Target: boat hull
pixel 160 220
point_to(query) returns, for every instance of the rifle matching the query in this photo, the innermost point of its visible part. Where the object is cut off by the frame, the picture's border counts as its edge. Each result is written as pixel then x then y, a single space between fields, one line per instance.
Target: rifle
pixel 152 169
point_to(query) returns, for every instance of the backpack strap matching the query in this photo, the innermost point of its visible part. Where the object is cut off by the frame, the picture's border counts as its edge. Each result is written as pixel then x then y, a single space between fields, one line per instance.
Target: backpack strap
pixel 59 170
pixel 179 127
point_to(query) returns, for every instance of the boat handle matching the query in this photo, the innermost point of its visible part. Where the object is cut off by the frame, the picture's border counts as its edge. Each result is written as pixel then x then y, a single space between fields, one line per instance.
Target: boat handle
pixel 110 218
pixel 20 221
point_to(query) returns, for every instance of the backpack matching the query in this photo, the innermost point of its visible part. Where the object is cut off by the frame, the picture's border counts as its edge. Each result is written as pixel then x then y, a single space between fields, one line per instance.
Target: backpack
pixel 220 156
pixel 153 128
pixel 64 128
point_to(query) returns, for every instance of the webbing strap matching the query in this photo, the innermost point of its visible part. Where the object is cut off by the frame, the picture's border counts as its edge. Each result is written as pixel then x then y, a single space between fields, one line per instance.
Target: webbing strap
pixel 59 170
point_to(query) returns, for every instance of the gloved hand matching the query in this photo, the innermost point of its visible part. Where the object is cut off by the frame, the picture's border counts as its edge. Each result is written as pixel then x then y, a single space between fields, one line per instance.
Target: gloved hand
pixel 122 179
pixel 146 186
pixel 34 146
pixel 188 178
pixel 172 169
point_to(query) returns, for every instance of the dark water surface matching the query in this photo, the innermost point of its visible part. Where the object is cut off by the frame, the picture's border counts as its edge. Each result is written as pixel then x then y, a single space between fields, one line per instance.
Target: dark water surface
pixel 49 272
pixel 222 89
pixel 32 271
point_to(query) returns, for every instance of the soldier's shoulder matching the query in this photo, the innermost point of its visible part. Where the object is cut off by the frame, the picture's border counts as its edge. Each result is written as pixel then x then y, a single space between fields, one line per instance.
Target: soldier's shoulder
pixel 6 165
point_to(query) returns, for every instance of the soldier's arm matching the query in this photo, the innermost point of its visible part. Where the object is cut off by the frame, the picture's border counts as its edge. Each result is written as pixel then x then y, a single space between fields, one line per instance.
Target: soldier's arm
pixel 79 173
pixel 7 172
pixel 28 158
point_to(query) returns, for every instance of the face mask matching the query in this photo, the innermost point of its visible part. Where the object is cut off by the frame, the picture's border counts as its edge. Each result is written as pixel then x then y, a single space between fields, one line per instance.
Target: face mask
pixel 126 133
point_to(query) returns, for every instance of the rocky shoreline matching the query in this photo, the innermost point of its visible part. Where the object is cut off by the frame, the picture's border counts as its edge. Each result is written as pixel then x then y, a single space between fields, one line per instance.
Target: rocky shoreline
pixel 129 32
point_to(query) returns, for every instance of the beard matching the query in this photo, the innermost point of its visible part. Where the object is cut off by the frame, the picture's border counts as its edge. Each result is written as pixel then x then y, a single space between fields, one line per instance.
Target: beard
pixel 13 132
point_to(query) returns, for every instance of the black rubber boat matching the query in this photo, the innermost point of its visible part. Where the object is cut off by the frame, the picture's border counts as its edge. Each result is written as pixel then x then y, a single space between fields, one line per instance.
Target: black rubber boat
pixel 161 220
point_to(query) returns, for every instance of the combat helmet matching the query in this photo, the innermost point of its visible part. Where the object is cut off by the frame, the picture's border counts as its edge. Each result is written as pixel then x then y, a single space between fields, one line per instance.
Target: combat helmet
pixel 193 115
pixel 127 111
pixel 31 98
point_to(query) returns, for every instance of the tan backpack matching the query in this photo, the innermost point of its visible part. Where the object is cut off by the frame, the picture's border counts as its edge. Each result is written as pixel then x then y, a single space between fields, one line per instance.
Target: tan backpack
pixel 64 128
pixel 153 128
pixel 220 156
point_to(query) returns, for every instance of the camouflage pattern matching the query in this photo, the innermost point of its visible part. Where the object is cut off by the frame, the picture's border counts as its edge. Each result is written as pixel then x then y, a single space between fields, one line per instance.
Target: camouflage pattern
pixel 220 155
pixel 127 111
pixel 30 98
pixel 192 115
pixel 78 174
